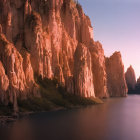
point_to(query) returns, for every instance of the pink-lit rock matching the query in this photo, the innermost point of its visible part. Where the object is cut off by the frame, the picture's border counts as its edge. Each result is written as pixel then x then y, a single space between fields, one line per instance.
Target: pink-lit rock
pixel 4 83
pixel 52 39
pixel 99 70
pixel 115 76
pixel 130 78
pixel 83 72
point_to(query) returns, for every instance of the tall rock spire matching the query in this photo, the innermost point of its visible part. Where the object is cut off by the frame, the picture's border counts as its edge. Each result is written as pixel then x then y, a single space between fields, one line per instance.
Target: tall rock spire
pixel 130 78
pixel 115 76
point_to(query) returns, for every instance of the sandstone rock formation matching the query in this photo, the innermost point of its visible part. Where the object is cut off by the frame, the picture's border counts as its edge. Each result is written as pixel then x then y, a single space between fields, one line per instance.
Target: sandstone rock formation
pixel 115 76
pixel 83 72
pixel 130 78
pixel 52 39
pixel 4 83
pixel 99 70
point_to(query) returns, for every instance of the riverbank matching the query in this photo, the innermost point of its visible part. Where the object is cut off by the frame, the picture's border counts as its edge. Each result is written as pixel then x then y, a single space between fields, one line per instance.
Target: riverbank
pixel 52 97
pixel 117 118
pixel 4 120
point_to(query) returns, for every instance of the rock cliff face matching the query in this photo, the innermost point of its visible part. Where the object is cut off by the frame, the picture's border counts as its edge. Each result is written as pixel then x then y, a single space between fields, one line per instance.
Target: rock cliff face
pixel 130 78
pixel 115 76
pixel 4 83
pixel 52 39
pixel 98 69
pixel 83 72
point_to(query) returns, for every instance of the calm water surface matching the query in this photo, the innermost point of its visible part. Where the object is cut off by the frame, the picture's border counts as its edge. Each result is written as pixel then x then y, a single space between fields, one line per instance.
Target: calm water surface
pixel 116 119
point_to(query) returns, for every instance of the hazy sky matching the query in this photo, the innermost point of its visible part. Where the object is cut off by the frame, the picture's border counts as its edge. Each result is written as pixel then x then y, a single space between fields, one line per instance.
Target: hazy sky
pixel 116 25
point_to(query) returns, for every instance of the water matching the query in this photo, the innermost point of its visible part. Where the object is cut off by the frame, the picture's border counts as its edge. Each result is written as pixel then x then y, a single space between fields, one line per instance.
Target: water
pixel 116 119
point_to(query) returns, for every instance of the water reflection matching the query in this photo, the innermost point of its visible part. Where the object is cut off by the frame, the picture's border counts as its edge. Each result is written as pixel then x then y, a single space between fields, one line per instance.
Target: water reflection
pixel 116 119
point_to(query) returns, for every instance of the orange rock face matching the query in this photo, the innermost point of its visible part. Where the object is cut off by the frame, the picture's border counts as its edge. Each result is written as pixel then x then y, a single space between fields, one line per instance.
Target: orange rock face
pixel 115 76
pixel 4 83
pixel 54 39
pixel 99 70
pixel 83 76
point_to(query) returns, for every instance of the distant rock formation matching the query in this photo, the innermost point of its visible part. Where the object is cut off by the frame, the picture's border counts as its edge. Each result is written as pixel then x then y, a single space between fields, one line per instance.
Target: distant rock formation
pixel 115 76
pixel 137 87
pixel 130 79
pixel 53 39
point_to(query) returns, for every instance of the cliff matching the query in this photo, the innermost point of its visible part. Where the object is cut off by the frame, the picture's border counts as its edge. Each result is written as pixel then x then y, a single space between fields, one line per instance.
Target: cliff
pixel 130 79
pixel 115 76
pixel 53 39
pixel 137 87
pixel 83 72
pixel 99 70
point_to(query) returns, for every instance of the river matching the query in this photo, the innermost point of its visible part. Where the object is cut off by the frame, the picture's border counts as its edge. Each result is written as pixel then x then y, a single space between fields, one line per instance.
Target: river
pixel 116 119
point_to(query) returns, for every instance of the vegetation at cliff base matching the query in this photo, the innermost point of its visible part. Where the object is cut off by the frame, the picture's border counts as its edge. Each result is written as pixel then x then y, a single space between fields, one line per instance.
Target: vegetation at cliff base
pixel 53 96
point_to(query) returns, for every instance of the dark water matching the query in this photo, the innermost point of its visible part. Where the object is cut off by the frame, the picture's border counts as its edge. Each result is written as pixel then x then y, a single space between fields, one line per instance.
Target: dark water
pixel 116 119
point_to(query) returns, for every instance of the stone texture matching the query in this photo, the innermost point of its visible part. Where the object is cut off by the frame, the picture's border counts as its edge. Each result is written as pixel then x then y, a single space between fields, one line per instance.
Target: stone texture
pixel 115 76
pixel 99 70
pixel 40 38
pixel 4 84
pixel 12 62
pixel 49 39
pixel 130 78
pixel 19 72
pixel 83 77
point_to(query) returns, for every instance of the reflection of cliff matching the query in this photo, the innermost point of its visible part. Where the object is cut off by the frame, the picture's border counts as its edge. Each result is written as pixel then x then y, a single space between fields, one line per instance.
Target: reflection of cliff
pixel 54 39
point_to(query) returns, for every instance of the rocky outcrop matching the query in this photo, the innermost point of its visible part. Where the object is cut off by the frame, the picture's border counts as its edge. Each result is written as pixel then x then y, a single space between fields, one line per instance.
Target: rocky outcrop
pixel 116 82
pixel 19 79
pixel 99 70
pixel 52 39
pixel 130 79
pixel 4 83
pixel 83 77
pixel 12 62
pixel 40 38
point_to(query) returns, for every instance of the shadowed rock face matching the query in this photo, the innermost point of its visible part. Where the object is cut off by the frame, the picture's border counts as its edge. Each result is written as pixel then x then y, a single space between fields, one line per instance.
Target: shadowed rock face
pixel 137 87
pixel 115 76
pixel 130 78
pixel 50 38
pixel 136 90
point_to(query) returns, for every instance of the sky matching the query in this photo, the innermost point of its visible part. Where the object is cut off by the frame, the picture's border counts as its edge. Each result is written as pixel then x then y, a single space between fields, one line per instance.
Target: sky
pixel 116 24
